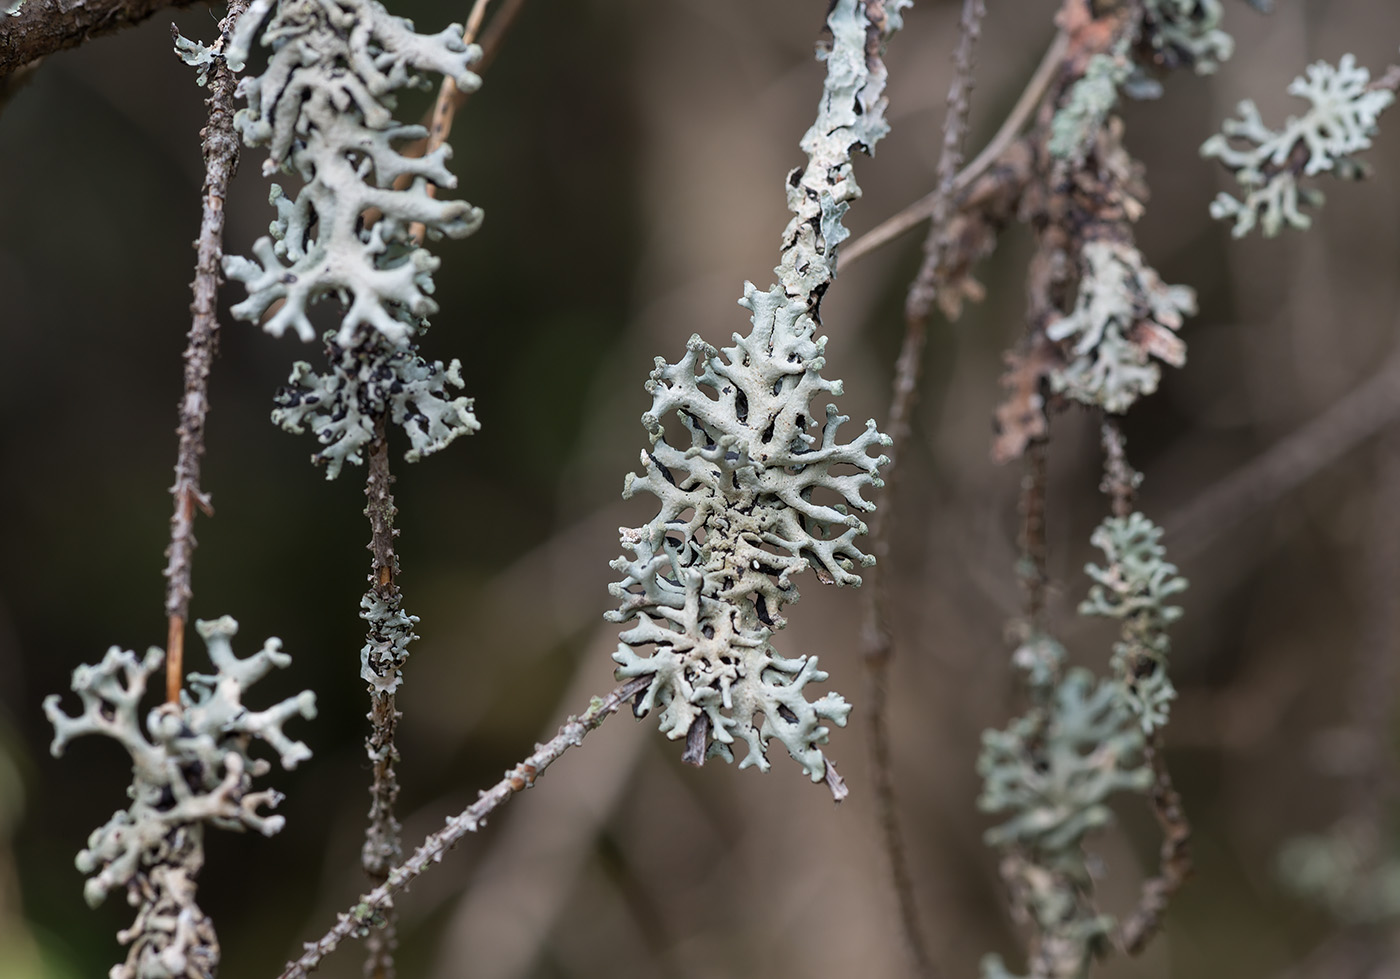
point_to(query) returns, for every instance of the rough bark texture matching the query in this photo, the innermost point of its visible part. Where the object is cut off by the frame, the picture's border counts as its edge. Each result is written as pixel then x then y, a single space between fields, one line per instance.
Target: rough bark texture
pixel 220 144
pixel 42 27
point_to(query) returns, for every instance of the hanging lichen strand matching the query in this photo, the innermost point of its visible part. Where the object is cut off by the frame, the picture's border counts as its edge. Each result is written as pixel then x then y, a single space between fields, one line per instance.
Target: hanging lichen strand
pixel 709 575
pixel 190 768
pixel 324 108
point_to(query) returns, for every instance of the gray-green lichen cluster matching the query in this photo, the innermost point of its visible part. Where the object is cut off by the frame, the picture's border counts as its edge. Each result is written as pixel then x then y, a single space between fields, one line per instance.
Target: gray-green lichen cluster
pixel 1187 33
pixel 1076 126
pixel 1133 587
pixel 1344 871
pixel 1124 320
pixel 1267 163
pixel 1052 771
pixel 324 108
pixel 755 498
pixel 370 380
pixel 191 766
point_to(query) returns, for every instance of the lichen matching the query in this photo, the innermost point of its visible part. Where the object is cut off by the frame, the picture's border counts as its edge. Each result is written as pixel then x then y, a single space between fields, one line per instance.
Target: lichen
pixel 1187 33
pixel 754 499
pixel 1123 317
pixel 369 380
pixel 1076 125
pixel 1267 162
pixel 191 766
pixel 323 107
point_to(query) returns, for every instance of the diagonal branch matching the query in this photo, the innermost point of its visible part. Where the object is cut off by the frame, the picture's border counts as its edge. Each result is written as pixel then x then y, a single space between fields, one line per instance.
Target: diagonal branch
pixel 371 907
pixel 42 27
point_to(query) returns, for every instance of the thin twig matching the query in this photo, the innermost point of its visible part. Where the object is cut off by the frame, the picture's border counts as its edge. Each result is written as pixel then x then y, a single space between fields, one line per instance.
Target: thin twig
pixel 450 98
pixel 1174 858
pixel 1033 569
pixel 1288 462
pixel 1120 479
pixel 878 630
pixel 383 847
pixel 922 209
pixel 356 921
pixel 220 146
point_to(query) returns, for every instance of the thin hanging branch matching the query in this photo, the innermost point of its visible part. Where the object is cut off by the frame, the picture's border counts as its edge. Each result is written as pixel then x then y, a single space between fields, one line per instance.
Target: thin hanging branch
pixel 878 632
pixel 371 907
pixel 385 647
pixel 42 27
pixel 450 98
pixel 220 146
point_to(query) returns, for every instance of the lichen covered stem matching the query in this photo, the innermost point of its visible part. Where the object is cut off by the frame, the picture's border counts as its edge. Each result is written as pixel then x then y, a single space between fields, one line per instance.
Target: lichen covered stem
pixel 383 847
pixel 355 922
pixel 220 147
pixel 1119 478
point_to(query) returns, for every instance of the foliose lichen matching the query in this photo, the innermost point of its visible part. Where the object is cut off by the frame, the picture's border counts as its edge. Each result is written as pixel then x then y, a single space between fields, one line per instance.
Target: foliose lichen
pixel 1182 33
pixel 1267 163
pixel 191 766
pixel 755 499
pixel 1123 318
pixel 369 380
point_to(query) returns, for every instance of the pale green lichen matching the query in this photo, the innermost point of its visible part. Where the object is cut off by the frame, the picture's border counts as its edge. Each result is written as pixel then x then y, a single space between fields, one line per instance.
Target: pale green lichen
pixel 1187 32
pixel 1267 163
pixel 196 55
pixel 1124 316
pixel 709 575
pixel 1134 587
pixel 1342 871
pixel 1076 125
pixel 369 380
pixel 385 651
pixel 323 107
pixel 191 766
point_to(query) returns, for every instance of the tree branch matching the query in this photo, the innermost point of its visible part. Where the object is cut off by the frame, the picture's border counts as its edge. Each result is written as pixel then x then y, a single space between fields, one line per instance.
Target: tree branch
pixel 220 144
pixel 42 27
pixel 357 921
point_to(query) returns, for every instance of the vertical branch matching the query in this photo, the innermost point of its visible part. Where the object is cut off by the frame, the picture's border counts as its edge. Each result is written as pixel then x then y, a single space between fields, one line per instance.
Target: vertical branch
pixel 878 632
pixel 1173 859
pixel 220 146
pixel 1035 549
pixel 383 848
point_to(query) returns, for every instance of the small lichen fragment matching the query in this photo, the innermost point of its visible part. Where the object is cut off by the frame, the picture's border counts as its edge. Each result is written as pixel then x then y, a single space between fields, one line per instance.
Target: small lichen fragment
pixel 191 766
pixel 1267 162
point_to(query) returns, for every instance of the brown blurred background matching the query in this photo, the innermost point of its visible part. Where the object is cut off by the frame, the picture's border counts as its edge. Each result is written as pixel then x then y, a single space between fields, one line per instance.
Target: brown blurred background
pixel 630 156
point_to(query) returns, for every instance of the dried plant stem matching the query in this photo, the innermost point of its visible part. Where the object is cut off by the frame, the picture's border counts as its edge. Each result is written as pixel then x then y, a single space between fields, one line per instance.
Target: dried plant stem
pixel 450 98
pixel 923 209
pixel 383 847
pixel 1174 857
pixel 1120 479
pixel 1033 569
pixel 878 631
pixel 220 147
pixel 357 920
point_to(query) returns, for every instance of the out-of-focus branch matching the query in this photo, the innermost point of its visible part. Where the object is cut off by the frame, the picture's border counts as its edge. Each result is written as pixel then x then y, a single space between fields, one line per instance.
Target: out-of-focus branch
pixel 1287 463
pixel 450 97
pixel 923 209
pixel 878 631
pixel 372 906
pixel 1174 858
pixel 220 146
pixel 42 27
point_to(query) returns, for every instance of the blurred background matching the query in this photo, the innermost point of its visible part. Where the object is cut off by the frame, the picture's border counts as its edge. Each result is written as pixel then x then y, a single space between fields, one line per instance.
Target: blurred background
pixel 629 156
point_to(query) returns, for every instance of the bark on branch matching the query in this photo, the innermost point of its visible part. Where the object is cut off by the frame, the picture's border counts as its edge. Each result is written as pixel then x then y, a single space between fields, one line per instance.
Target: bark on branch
pixel 41 27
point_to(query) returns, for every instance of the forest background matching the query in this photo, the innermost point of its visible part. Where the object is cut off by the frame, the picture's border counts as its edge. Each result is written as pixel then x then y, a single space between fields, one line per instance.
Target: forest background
pixel 629 156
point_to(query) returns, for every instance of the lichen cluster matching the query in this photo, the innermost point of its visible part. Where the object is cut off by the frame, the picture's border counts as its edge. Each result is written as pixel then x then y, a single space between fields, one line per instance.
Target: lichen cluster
pixel 755 497
pixel 191 767
pixel 1267 163
pixel 324 109
pixel 1124 316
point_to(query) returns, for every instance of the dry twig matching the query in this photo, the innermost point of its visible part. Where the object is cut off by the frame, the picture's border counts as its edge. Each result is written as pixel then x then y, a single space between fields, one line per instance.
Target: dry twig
pixel 220 146
pixel 357 921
